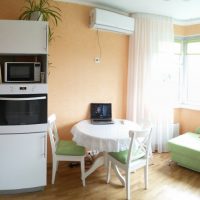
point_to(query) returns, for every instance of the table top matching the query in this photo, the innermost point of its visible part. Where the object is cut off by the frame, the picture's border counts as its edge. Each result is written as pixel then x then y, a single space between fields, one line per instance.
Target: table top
pixel 109 138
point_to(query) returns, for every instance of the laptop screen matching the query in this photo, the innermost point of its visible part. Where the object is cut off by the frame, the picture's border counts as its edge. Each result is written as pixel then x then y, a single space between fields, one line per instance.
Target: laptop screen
pixel 101 111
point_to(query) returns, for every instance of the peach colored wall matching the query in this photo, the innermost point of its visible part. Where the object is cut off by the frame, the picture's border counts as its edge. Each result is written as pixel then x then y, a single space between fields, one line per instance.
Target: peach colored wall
pixel 189 119
pixel 187 30
pixel 192 30
pixel 75 80
pixel 179 30
pixel 10 9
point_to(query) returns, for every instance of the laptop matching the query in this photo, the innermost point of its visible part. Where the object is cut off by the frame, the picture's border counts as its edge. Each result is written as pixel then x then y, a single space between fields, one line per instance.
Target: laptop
pixel 101 113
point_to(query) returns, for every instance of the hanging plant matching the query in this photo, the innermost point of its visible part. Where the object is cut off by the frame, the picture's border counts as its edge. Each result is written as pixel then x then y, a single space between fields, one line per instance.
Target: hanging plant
pixel 42 10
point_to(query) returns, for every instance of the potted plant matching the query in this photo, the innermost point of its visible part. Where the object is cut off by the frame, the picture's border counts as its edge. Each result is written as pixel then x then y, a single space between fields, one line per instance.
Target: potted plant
pixel 42 10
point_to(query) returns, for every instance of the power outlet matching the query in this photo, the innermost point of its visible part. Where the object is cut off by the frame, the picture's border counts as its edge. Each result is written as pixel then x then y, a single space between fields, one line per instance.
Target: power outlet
pixel 97 60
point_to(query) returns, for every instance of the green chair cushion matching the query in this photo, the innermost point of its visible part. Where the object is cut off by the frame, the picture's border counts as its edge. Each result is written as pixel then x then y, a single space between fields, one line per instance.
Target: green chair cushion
pixel 69 148
pixel 123 155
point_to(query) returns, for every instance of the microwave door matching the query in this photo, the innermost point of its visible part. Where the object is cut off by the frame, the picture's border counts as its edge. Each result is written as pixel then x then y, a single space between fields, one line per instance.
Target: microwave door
pixel 20 73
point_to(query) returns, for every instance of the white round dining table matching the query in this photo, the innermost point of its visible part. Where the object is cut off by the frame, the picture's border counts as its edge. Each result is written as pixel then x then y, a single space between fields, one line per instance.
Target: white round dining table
pixel 103 138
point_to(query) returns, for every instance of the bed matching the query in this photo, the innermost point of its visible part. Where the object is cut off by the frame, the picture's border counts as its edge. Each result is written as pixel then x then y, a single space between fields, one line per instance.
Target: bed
pixel 185 150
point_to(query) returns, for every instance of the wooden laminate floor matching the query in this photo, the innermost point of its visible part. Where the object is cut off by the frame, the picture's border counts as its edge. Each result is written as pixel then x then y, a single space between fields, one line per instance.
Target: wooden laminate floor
pixel 165 183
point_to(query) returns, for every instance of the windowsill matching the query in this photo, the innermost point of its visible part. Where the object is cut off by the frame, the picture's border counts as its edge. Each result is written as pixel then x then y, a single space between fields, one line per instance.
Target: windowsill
pixel 188 106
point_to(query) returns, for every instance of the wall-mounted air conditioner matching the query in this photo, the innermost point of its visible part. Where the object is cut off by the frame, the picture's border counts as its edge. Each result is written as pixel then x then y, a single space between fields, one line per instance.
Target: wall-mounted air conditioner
pixel 110 21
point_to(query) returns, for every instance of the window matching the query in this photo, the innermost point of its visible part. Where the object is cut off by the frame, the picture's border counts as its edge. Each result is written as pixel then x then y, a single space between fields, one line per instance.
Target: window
pixel 178 66
pixel 192 63
pixel 187 56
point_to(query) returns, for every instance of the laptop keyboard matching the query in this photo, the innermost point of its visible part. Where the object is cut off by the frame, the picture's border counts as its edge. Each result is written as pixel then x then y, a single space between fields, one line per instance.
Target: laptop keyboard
pixel 102 122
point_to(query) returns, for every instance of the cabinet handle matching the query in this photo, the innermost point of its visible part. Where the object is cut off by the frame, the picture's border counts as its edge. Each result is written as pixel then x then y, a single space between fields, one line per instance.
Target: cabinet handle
pixel 44 146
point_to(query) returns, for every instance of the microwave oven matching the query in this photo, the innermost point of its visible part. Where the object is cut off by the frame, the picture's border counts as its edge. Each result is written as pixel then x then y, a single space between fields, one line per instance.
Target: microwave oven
pixel 22 72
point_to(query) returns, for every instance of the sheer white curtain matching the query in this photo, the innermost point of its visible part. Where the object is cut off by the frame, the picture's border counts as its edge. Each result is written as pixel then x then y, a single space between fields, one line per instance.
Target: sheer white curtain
pixel 151 76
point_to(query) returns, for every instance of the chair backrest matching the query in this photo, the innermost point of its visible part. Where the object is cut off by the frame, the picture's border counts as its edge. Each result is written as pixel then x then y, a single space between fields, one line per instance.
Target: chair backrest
pixel 53 133
pixel 140 144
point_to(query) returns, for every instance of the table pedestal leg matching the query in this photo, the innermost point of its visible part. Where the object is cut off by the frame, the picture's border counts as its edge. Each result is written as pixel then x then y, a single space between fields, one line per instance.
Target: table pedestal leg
pixel 97 163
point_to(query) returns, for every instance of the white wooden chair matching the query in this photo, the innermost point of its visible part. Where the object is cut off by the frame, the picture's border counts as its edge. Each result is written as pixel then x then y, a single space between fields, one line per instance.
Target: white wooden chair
pixel 63 150
pixel 137 156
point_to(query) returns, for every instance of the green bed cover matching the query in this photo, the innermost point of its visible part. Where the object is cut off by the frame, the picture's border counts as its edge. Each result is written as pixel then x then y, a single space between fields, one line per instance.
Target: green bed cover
pixel 185 150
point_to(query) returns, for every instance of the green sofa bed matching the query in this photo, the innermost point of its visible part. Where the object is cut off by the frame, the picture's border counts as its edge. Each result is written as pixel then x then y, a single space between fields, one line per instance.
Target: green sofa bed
pixel 185 150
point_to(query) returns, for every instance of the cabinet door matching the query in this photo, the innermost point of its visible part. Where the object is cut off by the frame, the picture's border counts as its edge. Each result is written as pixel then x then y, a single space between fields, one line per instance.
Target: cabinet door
pixel 23 37
pixel 22 161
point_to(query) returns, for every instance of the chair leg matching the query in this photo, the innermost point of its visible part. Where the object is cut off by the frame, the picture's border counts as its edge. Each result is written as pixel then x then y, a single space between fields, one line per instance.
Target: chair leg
pixel 54 169
pixel 151 156
pixel 108 170
pixel 146 169
pixel 128 186
pixel 83 171
pixel 57 165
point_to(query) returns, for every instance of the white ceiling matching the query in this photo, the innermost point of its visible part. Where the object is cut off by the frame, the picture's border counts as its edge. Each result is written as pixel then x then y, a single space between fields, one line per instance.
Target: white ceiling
pixel 177 9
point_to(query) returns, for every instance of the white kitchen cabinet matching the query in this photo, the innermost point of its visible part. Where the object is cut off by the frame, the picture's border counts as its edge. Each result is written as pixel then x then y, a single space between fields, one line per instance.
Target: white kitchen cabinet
pixel 23 149
pixel 23 37
pixel 22 161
